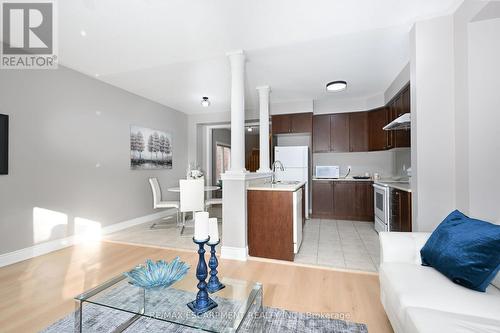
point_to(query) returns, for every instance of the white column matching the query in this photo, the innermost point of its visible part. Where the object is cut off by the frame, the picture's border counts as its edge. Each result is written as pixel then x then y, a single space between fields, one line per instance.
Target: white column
pixel 264 128
pixel 237 61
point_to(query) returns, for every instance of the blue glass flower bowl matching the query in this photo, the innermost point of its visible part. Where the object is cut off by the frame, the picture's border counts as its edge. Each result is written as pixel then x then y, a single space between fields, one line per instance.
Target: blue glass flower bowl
pixel 160 274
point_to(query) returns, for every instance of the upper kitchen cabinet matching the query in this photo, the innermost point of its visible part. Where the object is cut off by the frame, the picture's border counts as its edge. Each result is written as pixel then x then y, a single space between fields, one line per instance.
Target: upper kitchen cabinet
pixel 292 123
pixel 321 133
pixel 358 131
pixel 301 122
pixel 281 124
pixel 378 139
pixel 339 132
pixel 361 131
pixel 398 106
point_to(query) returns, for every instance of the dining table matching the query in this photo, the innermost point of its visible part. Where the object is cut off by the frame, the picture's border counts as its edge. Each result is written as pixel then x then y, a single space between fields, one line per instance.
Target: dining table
pixel 207 188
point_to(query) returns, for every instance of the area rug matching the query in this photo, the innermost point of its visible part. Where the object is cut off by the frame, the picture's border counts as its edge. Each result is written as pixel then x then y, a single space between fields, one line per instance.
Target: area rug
pixel 101 320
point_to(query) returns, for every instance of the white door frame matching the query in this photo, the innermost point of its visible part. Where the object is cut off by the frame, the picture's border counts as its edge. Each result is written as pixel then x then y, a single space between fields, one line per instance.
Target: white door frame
pixel 208 147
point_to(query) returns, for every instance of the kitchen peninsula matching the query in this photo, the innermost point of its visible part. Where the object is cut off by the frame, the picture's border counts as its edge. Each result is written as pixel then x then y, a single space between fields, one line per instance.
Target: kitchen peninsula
pixel 276 214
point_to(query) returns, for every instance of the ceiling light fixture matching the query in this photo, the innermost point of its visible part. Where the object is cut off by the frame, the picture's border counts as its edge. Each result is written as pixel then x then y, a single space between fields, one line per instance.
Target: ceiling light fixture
pixel 249 129
pixel 205 102
pixel 83 33
pixel 336 86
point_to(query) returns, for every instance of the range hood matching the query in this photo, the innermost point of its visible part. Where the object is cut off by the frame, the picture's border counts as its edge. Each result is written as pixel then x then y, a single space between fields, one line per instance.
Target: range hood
pixel 401 122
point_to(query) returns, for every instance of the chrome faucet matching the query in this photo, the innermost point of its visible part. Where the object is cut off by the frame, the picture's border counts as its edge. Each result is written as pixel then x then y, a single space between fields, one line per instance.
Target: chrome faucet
pixel 273 168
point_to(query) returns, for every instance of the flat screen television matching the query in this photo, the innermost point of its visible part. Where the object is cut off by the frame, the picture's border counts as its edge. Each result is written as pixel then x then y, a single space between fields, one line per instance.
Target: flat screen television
pixel 4 144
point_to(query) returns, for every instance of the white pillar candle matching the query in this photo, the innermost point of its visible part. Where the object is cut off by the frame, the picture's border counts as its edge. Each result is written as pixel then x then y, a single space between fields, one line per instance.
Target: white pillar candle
pixel 201 226
pixel 213 230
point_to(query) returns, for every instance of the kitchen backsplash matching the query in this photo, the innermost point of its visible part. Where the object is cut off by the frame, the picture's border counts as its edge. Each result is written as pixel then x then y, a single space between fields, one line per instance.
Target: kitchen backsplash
pixel 386 163
pixel 402 161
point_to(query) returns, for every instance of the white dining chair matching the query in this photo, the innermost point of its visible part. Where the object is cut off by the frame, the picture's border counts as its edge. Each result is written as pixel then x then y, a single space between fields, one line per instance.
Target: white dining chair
pixel 192 198
pixel 157 200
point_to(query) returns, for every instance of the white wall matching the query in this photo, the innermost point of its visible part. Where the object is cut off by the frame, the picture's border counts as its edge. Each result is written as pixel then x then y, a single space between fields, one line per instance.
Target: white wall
pixel 455 75
pixel 399 82
pixel 381 162
pixel 433 127
pixel 291 107
pixel 70 164
pixel 402 161
pixel 336 104
pixel 484 120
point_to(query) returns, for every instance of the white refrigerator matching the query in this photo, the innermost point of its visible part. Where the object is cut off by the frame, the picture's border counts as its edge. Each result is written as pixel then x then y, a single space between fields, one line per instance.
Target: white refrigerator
pixel 295 160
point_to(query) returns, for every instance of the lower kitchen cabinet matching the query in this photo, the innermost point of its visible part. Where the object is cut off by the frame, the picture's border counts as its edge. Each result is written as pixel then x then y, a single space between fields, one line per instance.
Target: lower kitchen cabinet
pixel 401 219
pixel 270 223
pixel 322 198
pixel 364 201
pixel 343 200
pixel 353 200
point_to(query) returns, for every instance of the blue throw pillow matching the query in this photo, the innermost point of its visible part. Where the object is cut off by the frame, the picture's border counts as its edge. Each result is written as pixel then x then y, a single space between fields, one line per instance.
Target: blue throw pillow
pixel 466 250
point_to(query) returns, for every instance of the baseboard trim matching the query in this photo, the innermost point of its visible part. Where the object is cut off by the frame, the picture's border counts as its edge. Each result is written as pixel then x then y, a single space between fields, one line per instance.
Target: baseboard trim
pixel 58 244
pixel 234 253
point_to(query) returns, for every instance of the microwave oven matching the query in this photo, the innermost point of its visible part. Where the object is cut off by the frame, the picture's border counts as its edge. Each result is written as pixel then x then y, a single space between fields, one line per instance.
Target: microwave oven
pixel 330 171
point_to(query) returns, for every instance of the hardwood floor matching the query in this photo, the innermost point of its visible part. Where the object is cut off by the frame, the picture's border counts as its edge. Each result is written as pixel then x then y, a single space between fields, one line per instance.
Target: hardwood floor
pixel 37 292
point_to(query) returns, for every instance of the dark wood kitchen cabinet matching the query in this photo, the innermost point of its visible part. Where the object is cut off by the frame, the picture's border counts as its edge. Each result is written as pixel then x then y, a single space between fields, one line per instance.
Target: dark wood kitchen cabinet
pixel 401 219
pixel 361 131
pixel 292 123
pixel 378 139
pixel 358 131
pixel 364 201
pixel 270 224
pixel 353 200
pixel 322 198
pixel 339 132
pixel 343 200
pixel 321 133
pixel 281 124
pixel 301 122
pixel 399 105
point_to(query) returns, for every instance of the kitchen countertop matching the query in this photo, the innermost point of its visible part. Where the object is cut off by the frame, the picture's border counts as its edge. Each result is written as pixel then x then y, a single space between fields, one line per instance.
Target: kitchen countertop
pixel 348 179
pixel 403 186
pixel 276 187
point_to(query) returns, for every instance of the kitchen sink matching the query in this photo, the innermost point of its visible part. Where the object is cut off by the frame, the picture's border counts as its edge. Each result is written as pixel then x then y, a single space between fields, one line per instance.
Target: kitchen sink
pixel 284 182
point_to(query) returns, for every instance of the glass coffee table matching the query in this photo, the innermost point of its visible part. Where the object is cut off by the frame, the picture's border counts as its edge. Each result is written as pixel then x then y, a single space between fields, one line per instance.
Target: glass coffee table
pixel 116 306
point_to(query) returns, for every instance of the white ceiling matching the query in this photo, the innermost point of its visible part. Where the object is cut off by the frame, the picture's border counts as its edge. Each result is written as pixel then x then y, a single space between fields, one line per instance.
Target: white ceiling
pixel 173 52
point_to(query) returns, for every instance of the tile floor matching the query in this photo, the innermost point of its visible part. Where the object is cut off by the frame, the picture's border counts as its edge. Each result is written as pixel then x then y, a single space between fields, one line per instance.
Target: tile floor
pixel 340 244
pixel 333 243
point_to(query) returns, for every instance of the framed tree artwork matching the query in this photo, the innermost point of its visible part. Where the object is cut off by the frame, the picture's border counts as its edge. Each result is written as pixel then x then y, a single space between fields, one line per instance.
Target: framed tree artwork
pixel 150 149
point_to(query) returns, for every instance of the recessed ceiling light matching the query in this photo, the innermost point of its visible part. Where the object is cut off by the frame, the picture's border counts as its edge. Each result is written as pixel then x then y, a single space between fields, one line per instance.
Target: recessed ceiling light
pixel 97 75
pixel 205 102
pixel 249 129
pixel 336 86
pixel 83 33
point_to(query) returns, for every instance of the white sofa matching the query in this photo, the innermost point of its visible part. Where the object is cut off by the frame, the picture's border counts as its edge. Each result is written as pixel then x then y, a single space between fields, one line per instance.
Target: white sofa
pixel 420 299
